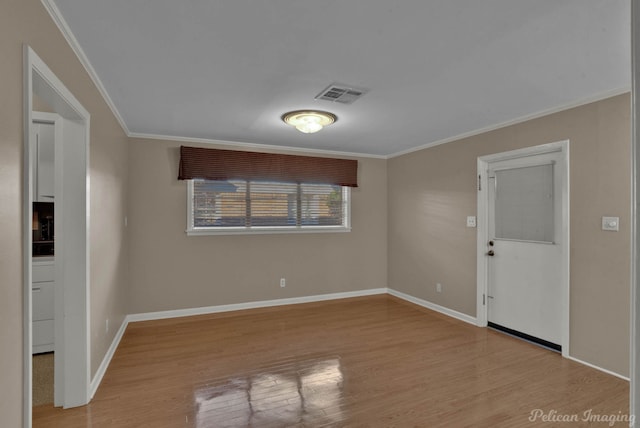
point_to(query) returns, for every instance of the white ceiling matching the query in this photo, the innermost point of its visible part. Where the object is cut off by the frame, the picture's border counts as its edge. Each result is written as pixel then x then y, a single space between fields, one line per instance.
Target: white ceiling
pixel 228 69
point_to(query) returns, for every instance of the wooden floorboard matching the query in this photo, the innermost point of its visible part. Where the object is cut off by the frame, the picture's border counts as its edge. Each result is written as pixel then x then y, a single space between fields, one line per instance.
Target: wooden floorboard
pixel 362 362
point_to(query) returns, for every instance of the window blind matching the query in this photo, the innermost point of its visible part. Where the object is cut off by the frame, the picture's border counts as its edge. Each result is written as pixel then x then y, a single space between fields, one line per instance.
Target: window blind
pixel 223 205
pixel 224 165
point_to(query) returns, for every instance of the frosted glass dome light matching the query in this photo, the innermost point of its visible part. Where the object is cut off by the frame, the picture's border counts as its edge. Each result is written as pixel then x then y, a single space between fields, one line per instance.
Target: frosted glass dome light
pixel 309 121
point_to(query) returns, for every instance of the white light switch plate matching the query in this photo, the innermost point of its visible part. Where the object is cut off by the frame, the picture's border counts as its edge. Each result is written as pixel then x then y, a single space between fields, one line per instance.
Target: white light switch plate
pixel 611 223
pixel 471 221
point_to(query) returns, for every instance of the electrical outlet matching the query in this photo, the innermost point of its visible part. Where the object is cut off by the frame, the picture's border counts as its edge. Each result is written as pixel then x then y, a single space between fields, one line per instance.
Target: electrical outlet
pixel 439 288
pixel 283 282
pixel 611 223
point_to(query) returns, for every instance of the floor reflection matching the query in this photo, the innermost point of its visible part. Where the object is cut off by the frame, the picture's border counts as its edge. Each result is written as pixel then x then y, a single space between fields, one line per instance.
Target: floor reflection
pixel 292 393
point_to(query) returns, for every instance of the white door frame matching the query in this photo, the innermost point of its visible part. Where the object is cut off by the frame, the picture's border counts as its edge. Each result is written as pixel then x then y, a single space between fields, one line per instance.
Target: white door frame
pixel 72 243
pixel 483 228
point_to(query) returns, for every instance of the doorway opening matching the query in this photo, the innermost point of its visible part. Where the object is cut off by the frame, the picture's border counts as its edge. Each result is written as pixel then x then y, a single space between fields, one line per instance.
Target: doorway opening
pixel 71 213
pixel 523 244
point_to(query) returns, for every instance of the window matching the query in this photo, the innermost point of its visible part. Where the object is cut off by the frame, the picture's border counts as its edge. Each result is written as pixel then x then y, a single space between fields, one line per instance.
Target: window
pixel 243 206
pixel 524 208
pixel 232 191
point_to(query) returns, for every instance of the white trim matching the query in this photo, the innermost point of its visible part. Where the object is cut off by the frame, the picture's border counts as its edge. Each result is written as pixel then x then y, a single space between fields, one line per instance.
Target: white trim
pixel 64 28
pixel 150 316
pixel 482 225
pixel 525 152
pixel 176 313
pixel 27 209
pixel 434 307
pixel 483 230
pixel 584 101
pixel 73 348
pixel 267 231
pixel 593 366
pixel 254 146
pixel 189 206
pixel 52 81
pixel 102 369
pixel 44 117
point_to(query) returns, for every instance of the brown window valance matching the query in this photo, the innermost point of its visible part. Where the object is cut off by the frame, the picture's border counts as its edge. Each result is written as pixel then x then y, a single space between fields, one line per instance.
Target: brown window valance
pixel 216 164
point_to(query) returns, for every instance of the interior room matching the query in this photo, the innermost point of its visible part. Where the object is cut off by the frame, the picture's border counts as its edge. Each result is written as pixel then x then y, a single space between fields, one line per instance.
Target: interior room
pixel 288 213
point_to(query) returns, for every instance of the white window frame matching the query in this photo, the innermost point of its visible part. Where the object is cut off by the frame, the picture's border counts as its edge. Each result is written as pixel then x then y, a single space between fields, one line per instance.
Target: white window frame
pixel 261 230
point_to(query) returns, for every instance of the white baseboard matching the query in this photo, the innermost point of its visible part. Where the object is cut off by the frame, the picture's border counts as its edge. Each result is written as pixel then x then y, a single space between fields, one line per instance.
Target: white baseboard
pixel 426 304
pixel 472 320
pixel 149 316
pixel 97 379
pixel 102 369
pixel 593 366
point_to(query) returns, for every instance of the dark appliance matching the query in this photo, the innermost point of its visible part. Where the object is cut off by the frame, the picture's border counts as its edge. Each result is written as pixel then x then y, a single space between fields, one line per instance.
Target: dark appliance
pixel 43 227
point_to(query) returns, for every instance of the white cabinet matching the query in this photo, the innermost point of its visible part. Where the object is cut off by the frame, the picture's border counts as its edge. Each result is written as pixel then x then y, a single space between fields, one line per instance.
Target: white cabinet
pixel 42 303
pixel 43 161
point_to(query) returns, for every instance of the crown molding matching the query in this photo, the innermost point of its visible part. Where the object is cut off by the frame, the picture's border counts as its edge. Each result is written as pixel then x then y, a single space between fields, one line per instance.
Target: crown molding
pixel 64 28
pixel 254 146
pixel 588 100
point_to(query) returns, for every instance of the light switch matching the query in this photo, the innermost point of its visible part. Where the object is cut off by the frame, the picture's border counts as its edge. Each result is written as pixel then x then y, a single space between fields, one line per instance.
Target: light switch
pixel 611 223
pixel 471 221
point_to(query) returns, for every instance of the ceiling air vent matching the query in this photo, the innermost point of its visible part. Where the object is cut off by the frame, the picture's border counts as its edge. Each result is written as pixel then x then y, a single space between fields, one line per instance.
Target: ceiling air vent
pixel 339 93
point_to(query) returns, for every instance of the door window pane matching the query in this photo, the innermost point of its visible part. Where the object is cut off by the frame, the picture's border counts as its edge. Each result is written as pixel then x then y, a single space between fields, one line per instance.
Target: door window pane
pixel 524 204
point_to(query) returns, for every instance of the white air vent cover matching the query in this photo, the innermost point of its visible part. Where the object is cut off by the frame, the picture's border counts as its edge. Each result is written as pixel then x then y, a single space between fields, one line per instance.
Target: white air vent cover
pixel 339 93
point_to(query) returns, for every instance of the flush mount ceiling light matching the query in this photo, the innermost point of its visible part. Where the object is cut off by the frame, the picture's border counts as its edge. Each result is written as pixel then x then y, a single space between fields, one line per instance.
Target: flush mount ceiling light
pixel 309 121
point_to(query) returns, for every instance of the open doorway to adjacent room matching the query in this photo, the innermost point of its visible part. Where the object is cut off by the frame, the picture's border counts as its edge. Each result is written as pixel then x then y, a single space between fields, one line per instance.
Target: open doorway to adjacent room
pixel 56 236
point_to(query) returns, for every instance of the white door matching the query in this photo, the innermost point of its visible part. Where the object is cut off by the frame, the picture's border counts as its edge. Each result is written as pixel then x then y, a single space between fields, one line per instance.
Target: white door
pixel 524 247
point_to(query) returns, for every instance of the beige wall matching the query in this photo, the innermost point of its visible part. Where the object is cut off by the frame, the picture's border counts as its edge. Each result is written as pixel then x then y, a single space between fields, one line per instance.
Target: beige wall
pixel 170 270
pixel 154 266
pixel 26 21
pixel 433 190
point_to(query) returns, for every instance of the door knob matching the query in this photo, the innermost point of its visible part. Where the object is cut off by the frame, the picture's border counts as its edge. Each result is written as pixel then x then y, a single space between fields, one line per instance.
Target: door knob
pixel 491 253
pixel 491 243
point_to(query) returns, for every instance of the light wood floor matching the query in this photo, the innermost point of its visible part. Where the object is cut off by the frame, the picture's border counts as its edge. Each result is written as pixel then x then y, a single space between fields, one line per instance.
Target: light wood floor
pixel 364 362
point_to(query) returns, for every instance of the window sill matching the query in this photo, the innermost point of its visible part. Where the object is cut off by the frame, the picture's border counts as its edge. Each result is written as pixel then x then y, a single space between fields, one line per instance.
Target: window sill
pixel 266 231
